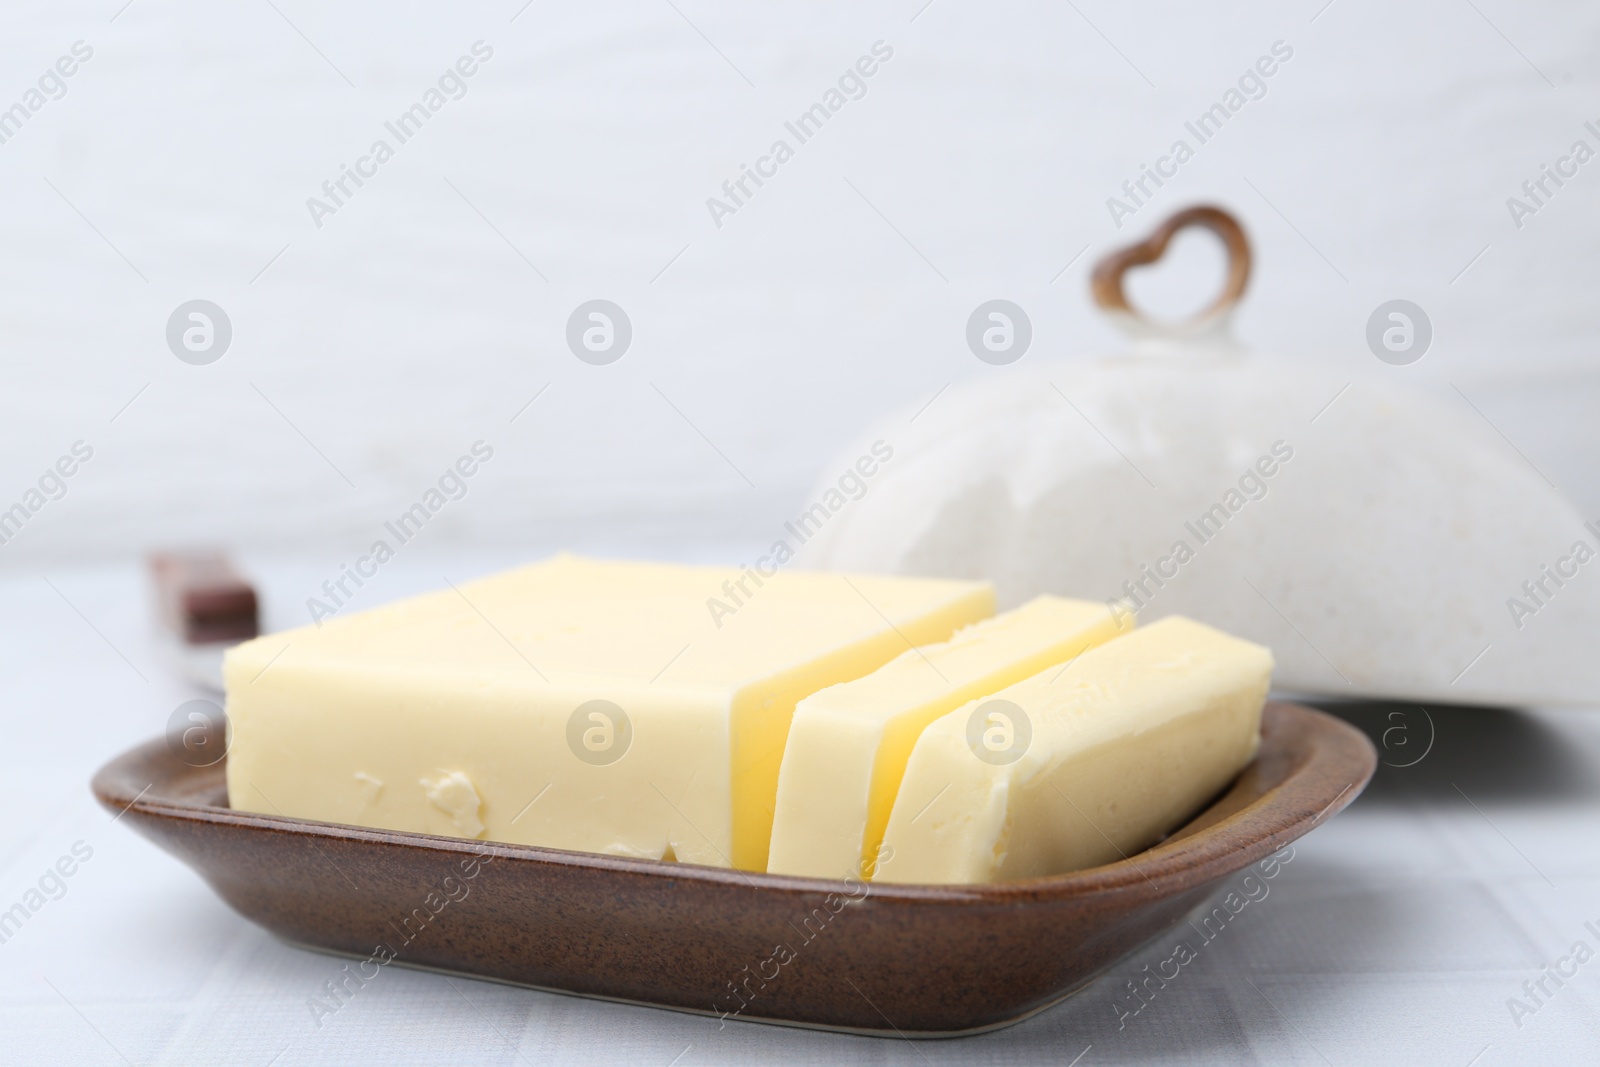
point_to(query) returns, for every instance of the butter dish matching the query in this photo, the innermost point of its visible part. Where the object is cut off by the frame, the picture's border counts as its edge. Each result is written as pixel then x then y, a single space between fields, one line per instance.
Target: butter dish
pixel 885 959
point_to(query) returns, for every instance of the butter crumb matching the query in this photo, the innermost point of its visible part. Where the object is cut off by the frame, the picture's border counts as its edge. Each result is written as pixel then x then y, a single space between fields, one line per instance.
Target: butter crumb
pixel 370 786
pixel 452 793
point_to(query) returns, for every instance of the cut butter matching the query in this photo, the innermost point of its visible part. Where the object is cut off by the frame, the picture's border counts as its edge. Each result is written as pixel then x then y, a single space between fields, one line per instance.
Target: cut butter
pixel 1077 767
pixel 848 744
pixel 574 703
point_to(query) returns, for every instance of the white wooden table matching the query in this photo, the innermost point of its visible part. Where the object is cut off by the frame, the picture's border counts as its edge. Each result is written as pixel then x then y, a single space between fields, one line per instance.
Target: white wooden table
pixel 1397 934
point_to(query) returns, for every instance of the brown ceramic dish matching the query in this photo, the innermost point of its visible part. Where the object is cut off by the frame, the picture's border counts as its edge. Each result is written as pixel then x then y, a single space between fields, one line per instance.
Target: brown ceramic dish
pixel 930 960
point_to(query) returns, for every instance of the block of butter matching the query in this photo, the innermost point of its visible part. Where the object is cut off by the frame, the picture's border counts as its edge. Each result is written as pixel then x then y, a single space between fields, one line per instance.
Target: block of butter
pixel 574 703
pixel 849 743
pixel 1077 767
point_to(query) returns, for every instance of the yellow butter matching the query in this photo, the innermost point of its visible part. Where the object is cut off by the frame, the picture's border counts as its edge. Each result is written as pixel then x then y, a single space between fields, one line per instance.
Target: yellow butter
pixel 581 704
pixel 1077 767
pixel 848 744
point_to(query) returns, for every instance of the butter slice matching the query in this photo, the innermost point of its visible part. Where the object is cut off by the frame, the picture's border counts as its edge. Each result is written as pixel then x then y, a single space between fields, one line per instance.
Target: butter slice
pixel 467 712
pixel 1126 744
pixel 848 744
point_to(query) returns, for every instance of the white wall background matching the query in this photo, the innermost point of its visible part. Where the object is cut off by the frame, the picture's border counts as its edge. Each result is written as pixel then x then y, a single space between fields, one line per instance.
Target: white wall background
pixel 179 161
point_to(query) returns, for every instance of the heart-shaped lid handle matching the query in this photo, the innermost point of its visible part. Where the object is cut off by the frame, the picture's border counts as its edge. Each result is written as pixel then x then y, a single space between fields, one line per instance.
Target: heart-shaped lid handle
pixel 1106 281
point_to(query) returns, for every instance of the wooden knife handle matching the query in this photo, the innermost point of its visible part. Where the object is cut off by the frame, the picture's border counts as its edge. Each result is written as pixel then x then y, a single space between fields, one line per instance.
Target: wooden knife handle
pixel 202 598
